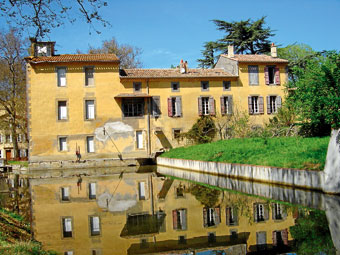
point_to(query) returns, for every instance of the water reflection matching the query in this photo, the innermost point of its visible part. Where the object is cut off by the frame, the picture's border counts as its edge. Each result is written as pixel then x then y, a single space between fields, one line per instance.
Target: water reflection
pixel 150 214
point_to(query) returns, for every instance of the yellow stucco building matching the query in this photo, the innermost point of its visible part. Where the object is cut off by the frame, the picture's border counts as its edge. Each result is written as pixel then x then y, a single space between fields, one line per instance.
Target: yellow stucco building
pixel 145 214
pixel 86 105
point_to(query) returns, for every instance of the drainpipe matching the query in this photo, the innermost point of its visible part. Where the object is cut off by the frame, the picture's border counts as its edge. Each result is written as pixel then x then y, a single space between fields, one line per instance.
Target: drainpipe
pixel 149 122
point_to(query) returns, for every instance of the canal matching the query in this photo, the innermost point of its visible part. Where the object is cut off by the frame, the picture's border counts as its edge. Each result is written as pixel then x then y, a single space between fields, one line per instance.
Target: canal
pixel 172 211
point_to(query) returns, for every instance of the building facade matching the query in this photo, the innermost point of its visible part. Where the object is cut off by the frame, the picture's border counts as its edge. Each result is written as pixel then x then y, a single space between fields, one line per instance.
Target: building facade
pixel 84 106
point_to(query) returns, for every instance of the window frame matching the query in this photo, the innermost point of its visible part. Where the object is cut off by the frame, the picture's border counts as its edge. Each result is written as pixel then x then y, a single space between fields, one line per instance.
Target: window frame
pixel 126 102
pixel 174 135
pixel 136 140
pixel 92 231
pixel 137 87
pixel 87 144
pixel 203 83
pixel 256 67
pixel 228 87
pixel 86 78
pixel 59 144
pixel 178 86
pixel 59 77
pixel 63 227
pixel 177 226
pixel 92 196
pixel 58 110
pixel 86 109
pixel 64 198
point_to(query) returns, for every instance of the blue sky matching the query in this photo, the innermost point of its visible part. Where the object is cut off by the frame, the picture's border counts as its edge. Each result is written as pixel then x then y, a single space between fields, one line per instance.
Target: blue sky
pixel 170 30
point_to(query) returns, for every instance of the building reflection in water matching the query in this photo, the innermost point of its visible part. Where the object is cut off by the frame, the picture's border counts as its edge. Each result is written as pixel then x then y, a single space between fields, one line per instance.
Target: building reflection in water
pixel 149 214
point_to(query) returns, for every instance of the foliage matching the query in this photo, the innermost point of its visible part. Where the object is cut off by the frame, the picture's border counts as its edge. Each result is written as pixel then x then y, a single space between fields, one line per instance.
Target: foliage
pixel 311 234
pixel 209 58
pixel 203 131
pixel 288 152
pixel 22 163
pixel 247 36
pixel 44 15
pixel 25 248
pixel 12 85
pixel 207 196
pixel 128 55
pixel 317 95
pixel 297 55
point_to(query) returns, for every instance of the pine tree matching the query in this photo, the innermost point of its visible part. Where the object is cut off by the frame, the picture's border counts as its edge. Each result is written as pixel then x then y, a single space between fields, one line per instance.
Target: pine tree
pixel 208 53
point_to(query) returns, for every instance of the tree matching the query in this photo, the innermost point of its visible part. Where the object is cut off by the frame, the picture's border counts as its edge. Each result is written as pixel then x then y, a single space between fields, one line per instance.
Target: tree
pixel 247 36
pixel 208 53
pixel 12 85
pixel 128 55
pixel 203 131
pixel 317 94
pixel 311 234
pixel 207 196
pixel 44 15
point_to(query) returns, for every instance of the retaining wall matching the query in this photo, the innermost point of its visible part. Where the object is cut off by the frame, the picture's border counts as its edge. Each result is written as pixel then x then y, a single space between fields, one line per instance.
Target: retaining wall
pixel 283 176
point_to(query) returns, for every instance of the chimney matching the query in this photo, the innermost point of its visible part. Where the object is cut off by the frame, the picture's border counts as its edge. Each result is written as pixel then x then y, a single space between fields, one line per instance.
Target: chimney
pixel 231 51
pixel 182 66
pixel 273 51
pixel 186 68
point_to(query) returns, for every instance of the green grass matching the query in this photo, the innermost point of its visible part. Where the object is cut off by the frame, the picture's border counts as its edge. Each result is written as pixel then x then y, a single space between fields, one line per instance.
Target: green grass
pixel 286 152
pixel 23 163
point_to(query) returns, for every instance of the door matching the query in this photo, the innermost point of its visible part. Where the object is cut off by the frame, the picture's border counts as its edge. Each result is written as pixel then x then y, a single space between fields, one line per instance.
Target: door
pixel 8 154
pixel 139 138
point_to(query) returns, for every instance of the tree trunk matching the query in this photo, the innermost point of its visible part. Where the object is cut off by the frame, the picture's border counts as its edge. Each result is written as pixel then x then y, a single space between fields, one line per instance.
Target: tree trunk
pixel 14 141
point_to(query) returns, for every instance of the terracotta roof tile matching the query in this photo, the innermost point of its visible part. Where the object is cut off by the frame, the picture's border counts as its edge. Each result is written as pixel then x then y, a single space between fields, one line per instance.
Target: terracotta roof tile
pixel 255 58
pixel 174 73
pixel 66 58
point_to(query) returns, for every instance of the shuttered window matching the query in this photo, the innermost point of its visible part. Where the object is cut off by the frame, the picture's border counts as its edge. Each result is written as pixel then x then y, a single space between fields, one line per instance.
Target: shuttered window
pixel 260 212
pixel 211 216
pixel 175 107
pixel 272 75
pixel 206 106
pixel 253 71
pixel 179 219
pixel 231 216
pixel 95 225
pixel 67 227
pixel 89 109
pixel 255 105
pixel 261 240
pixel 273 104
pixel 278 211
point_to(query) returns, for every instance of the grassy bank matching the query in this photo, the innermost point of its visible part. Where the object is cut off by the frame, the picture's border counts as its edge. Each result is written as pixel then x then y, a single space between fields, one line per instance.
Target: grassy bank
pixel 288 152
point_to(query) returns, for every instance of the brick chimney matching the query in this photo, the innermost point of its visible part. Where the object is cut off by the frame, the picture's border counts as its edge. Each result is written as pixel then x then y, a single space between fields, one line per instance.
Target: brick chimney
pixel 273 51
pixel 231 51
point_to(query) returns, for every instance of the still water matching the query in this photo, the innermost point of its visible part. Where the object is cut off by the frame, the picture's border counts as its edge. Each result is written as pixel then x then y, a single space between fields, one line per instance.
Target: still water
pixel 173 211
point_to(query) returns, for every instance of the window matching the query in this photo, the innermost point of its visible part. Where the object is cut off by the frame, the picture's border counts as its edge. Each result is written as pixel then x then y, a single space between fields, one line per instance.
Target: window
pixel 211 238
pixel 156 106
pixel 8 138
pixel 133 107
pixel 279 212
pixel 137 87
pixel 182 240
pixel 92 190
pixel 61 73
pixel 253 75
pixel 96 252
pixel 176 133
pixel 226 85
pixel 204 85
pixel 211 216
pixel 90 144
pixel 89 77
pixel 94 225
pixel 65 194
pixel 261 240
pixel 255 105
pixel 206 106
pixel 273 104
pixel 68 253
pixel 141 190
pixel 175 86
pixel 280 237
pixel 1 138
pixel 180 191
pixel 67 227
pixel 19 138
pixel 62 110
pixel 89 110
pixel 62 143
pixel 260 212
pixel 272 75
pixel 231 216
pixel 179 218
pixel 139 140
pixel 226 105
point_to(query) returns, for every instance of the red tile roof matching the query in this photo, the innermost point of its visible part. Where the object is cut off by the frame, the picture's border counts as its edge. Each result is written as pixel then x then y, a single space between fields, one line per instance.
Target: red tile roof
pixel 174 73
pixel 67 58
pixel 253 58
